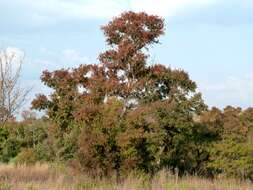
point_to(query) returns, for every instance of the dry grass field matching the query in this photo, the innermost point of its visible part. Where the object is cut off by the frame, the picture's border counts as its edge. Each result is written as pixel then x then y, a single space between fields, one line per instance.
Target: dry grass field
pixel 44 177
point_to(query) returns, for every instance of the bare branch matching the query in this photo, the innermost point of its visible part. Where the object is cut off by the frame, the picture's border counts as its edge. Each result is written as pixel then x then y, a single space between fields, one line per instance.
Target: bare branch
pixel 12 95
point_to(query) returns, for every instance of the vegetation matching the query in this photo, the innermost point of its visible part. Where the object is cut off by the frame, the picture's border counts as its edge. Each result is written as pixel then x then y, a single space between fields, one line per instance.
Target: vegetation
pixel 125 115
pixel 40 177
pixel 12 95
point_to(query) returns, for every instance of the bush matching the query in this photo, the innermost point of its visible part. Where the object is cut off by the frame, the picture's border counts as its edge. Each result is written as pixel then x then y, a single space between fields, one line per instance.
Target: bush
pixel 16 136
pixel 25 157
pixel 9 143
pixel 231 153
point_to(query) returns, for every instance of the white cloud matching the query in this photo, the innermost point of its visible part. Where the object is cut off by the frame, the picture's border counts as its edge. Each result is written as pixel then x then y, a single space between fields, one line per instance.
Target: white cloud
pixel 167 8
pixel 49 10
pixel 42 12
pixel 74 56
pixel 53 60
pixel 13 56
pixel 234 90
pixel 13 51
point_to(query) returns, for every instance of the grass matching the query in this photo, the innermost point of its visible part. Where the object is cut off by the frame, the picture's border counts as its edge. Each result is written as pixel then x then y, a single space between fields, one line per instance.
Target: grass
pixel 45 177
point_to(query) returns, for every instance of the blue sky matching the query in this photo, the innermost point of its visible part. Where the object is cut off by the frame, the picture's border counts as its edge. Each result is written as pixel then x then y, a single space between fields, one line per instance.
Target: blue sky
pixel 210 39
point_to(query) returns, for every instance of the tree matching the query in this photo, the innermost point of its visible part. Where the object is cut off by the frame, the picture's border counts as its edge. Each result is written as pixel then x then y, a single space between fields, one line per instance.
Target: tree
pixel 12 95
pixel 146 91
pixel 130 113
pixel 231 152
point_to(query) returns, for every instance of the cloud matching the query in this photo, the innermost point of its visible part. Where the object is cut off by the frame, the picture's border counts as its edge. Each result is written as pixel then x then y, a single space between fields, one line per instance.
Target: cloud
pixel 78 9
pixel 168 8
pixel 41 13
pixel 74 56
pixel 15 52
pixel 52 60
pixel 44 12
pixel 11 56
pixel 221 12
pixel 234 90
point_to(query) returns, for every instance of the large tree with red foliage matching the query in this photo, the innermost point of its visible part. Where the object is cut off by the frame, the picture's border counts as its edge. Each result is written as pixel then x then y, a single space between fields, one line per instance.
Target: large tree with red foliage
pixel 132 114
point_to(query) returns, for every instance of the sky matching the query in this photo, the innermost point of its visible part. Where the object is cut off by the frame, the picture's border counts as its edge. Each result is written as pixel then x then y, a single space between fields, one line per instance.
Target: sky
pixel 210 39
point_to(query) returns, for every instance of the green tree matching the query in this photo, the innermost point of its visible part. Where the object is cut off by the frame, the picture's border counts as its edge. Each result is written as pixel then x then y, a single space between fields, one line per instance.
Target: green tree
pixel 231 153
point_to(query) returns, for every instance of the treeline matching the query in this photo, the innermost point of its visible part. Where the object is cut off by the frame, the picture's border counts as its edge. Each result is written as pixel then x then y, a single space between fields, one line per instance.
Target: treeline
pixel 125 115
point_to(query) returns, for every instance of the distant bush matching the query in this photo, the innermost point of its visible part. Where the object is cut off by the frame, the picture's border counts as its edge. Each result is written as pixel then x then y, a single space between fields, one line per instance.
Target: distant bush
pixel 10 144
pixel 231 154
pixel 18 136
pixel 25 157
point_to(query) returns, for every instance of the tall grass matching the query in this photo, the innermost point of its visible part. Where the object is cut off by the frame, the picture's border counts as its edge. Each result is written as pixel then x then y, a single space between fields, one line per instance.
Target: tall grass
pixel 45 177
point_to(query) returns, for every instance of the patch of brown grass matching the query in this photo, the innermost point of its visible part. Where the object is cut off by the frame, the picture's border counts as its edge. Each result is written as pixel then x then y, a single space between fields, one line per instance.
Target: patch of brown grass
pixel 41 173
pixel 39 176
pixel 45 177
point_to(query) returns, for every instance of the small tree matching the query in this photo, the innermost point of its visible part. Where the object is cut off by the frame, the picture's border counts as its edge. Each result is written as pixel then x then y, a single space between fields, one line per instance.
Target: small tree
pixel 12 95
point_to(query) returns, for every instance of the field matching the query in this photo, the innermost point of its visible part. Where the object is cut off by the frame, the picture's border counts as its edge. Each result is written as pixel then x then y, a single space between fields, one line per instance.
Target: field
pixel 44 177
